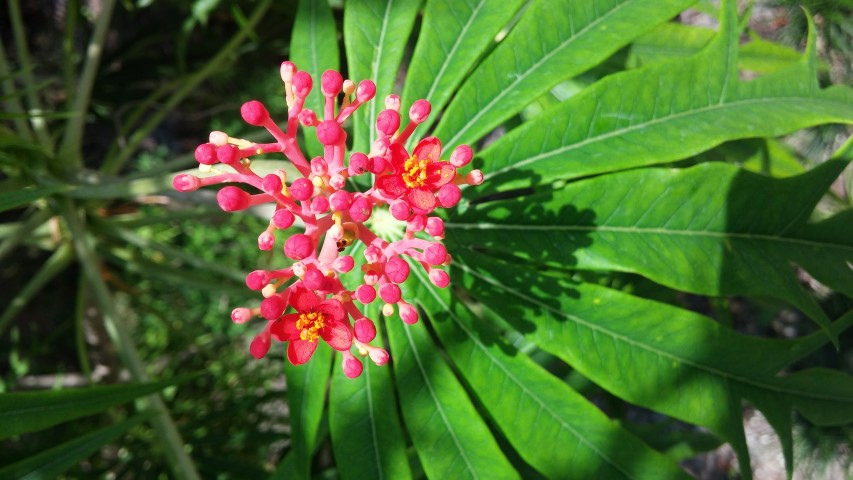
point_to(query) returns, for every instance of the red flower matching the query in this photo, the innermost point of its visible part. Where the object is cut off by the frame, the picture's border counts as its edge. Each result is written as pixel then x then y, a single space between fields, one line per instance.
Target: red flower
pixel 314 319
pixel 416 178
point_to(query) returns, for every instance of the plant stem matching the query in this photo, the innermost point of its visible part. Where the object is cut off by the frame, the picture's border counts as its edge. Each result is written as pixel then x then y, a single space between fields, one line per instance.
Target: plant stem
pixel 35 111
pixel 114 163
pixel 69 151
pixel 167 432
pixel 13 104
pixel 23 230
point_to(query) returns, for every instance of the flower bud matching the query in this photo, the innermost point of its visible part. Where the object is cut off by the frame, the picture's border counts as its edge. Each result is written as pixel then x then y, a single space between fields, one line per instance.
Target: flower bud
pixel 337 181
pixel 308 118
pixel 435 254
pixel 241 315
pixel 302 189
pixel 272 307
pixel 302 84
pixel 218 138
pixel 232 199
pixel 254 113
pixel 340 200
pixel 366 91
pixel 186 182
pixel 331 83
pixel 205 154
pixel 266 240
pixel 365 330
pixel 299 246
pixel 343 264
pixel 448 195
pixel 439 278
pixel 390 293
pixel 287 70
pixel 329 132
pixel 416 223
pixel 372 254
pixel 408 313
pixel 319 166
pixel 461 156
pixel 365 294
pixel 314 279
pixel 260 345
pixel 397 269
pixel 319 204
pixel 271 184
pixel 360 209
pixel 357 164
pixel 388 122
pixel 377 165
pixel 400 211
pixel 228 154
pixel 392 102
pixel 283 219
pixel 258 279
pixel 419 111
pixel 435 227
pixel 352 366
pixel 379 356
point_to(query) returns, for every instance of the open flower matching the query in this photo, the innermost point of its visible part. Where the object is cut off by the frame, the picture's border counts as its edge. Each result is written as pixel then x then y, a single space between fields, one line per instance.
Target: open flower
pixel 418 177
pixel 313 319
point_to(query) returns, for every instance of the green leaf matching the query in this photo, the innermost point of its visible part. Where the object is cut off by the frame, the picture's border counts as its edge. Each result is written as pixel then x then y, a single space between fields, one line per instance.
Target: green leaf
pixel 712 229
pixel 454 34
pixel 376 32
pixel 54 461
pixel 554 429
pixel 450 438
pixel 10 200
pixel 674 41
pixel 662 113
pixel 367 437
pixel 543 50
pixel 314 49
pixel 22 412
pixel 306 393
pixel 664 358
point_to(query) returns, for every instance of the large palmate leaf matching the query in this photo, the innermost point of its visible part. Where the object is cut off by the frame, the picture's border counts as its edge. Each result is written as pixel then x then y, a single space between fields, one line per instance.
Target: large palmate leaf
pixel 652 354
pixel 375 33
pixel 554 428
pixel 451 439
pixel 454 34
pixel 664 112
pixel 541 51
pixel 367 437
pixel 712 229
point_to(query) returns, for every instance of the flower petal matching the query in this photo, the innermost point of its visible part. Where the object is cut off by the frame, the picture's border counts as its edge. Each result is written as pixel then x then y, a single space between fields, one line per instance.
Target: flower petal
pixel 421 200
pixel 303 300
pixel 440 173
pixel 399 155
pixel 337 335
pixel 429 149
pixel 333 308
pixel 391 185
pixel 285 329
pixel 300 351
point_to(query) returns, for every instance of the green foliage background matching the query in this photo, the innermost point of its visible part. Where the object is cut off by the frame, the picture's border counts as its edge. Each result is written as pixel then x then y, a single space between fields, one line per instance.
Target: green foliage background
pixel 619 280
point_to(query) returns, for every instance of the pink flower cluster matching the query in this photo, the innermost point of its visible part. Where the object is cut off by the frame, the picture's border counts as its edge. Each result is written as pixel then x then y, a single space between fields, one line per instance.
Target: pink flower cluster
pixel 411 186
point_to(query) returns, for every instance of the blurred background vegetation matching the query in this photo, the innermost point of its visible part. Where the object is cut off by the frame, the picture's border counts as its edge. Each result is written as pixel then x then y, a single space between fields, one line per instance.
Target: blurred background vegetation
pixel 87 210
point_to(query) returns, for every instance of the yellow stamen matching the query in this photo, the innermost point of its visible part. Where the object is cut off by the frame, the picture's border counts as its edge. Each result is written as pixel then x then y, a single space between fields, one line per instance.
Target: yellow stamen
pixel 310 325
pixel 415 172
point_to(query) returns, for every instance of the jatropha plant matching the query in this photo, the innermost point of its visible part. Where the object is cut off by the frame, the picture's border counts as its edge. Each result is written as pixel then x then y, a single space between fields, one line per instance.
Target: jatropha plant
pixel 410 185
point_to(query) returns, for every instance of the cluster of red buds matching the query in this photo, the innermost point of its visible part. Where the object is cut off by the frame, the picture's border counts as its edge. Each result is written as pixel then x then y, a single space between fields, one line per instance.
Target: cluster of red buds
pixel 409 186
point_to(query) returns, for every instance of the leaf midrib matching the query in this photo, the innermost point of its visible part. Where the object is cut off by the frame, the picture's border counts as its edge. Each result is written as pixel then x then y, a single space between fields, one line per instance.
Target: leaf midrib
pixel 437 403
pixel 655 351
pixel 651 231
pixel 514 379
pixel 510 88
pixel 649 123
